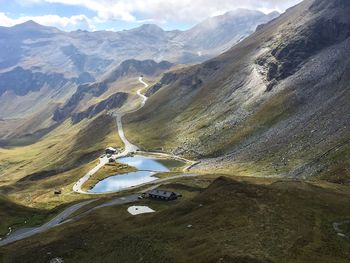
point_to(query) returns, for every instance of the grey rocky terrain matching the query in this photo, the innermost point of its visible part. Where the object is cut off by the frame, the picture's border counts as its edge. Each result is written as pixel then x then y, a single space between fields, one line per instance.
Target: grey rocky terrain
pixel 276 103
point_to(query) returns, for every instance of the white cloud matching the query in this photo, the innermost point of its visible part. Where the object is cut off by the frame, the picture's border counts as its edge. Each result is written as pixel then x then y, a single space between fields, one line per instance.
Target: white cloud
pixel 173 10
pixel 105 9
pixel 64 23
pixel 159 12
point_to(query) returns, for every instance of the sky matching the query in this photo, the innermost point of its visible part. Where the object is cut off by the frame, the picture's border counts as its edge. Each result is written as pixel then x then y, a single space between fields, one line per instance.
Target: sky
pixel 117 15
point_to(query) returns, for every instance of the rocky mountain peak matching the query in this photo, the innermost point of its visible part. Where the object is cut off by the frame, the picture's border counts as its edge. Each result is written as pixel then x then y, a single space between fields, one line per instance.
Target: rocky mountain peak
pixel 31 25
pixel 150 29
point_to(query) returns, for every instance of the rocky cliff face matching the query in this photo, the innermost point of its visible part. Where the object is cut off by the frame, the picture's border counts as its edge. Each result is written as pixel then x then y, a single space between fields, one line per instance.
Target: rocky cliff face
pixel 167 79
pixel 325 27
pixel 113 102
pixel 21 81
pixel 95 90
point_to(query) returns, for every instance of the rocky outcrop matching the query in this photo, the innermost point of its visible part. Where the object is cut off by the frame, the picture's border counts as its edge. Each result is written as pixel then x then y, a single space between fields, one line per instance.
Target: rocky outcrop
pixel 190 80
pixel 115 101
pixel 327 26
pixel 95 90
pixel 22 81
pixel 165 80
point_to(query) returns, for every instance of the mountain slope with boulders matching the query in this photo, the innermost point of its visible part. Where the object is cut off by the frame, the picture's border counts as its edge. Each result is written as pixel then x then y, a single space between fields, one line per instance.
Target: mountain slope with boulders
pixel 275 104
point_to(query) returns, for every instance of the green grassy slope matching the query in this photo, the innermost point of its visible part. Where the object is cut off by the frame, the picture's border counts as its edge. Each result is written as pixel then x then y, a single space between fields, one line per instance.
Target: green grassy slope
pixel 231 222
pixel 30 174
pixel 16 216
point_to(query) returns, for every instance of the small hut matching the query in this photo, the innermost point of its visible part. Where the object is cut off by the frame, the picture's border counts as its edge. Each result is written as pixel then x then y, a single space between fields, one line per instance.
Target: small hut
pixel 111 150
pixel 162 195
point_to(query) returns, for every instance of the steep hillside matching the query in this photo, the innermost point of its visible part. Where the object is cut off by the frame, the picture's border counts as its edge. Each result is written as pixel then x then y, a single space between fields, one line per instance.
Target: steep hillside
pixel 30 174
pixel 276 103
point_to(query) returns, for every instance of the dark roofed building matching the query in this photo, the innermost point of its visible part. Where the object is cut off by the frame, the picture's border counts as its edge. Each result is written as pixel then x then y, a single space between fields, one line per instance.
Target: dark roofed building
pixel 162 195
pixel 111 150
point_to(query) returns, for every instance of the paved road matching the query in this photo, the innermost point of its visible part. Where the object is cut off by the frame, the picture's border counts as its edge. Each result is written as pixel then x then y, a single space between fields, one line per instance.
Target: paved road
pixel 128 149
pixel 77 186
pixel 128 146
pixel 58 220
pixel 115 201
pixel 62 218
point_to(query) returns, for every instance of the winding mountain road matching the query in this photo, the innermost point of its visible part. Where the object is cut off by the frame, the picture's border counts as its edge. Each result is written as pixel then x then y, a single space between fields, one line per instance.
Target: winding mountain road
pixel 56 221
pixel 129 148
pixel 64 216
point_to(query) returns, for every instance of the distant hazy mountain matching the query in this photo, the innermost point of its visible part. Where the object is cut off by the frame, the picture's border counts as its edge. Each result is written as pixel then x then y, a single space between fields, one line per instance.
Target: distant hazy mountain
pixel 222 32
pixel 276 103
pixel 47 49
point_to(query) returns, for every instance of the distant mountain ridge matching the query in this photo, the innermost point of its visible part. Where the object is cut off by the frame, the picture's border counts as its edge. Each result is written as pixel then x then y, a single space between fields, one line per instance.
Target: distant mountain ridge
pixel 217 32
pixel 48 49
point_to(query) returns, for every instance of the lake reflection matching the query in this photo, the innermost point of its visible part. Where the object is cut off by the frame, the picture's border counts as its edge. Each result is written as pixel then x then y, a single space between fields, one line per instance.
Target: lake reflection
pixel 147 168
pixel 144 163
pixel 122 181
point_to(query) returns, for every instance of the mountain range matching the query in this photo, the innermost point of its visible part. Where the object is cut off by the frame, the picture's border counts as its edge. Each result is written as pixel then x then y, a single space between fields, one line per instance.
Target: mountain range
pixel 42 67
pixel 47 49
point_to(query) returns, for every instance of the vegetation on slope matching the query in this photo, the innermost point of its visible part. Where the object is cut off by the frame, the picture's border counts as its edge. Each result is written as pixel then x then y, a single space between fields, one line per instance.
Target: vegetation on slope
pixel 30 174
pixel 229 221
